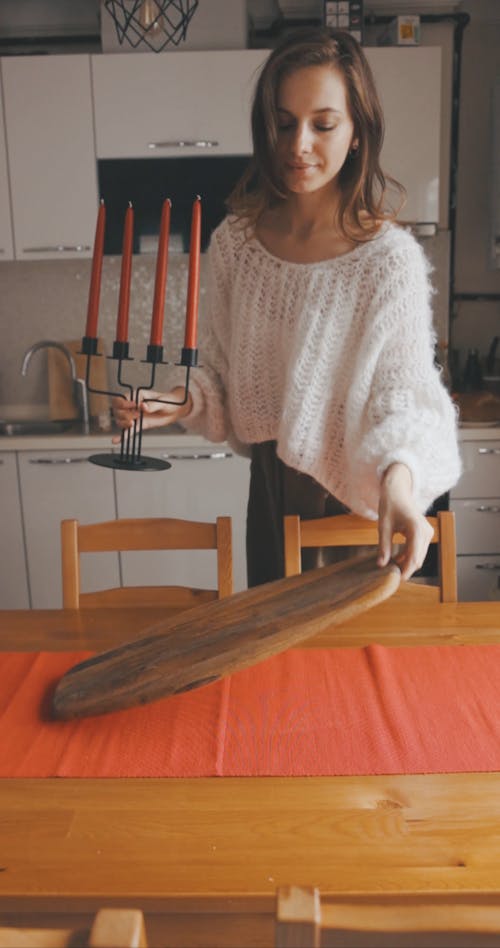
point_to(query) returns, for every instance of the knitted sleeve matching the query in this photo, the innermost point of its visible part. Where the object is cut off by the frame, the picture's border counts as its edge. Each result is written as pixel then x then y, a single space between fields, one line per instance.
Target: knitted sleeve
pixel 407 413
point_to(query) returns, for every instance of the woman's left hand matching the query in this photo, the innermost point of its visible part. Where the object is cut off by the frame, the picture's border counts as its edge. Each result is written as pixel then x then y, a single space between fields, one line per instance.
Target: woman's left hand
pixel 398 514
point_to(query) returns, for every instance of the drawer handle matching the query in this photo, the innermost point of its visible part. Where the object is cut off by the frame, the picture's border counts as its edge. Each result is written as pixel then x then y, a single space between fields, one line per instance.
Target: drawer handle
pixel 483 508
pixel 181 143
pixel 58 248
pixel 58 460
pixel 488 450
pixel 214 456
pixel 490 566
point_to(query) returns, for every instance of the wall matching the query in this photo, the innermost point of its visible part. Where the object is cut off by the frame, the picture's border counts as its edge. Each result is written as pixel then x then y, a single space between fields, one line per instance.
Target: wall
pixel 475 323
pixel 48 300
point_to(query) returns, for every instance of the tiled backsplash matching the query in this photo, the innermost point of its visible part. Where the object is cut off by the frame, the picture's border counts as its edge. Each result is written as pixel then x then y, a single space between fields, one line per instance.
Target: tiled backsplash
pixel 48 300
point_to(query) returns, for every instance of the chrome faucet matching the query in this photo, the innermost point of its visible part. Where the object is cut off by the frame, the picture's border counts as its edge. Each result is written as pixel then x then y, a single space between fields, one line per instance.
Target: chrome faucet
pixel 79 387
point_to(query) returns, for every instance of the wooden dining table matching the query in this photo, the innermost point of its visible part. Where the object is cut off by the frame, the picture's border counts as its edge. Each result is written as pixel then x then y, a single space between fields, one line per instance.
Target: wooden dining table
pixel 203 857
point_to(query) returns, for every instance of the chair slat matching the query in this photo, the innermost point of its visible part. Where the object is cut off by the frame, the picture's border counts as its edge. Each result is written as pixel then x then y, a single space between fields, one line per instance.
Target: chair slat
pixel 352 530
pixel 145 534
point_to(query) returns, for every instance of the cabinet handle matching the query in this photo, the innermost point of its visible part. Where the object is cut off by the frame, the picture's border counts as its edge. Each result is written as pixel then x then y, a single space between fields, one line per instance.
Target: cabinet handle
pixel 58 248
pixel 214 456
pixel 58 460
pixel 180 143
pixel 488 450
pixel 491 566
pixel 483 508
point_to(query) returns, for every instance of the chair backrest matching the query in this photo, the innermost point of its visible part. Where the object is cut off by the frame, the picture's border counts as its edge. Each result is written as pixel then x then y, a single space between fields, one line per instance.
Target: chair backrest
pixel 351 530
pixel 158 533
pixel 398 921
pixel 111 928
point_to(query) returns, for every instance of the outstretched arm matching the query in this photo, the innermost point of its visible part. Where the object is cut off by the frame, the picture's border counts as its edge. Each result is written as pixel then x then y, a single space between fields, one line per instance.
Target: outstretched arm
pixel 399 513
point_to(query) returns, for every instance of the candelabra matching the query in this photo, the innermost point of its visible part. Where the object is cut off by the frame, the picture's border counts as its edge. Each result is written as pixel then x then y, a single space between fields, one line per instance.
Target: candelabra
pixel 130 457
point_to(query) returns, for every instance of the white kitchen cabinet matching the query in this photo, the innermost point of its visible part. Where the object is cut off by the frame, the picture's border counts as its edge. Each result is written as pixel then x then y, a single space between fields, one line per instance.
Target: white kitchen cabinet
pixel 203 483
pixel 14 592
pixel 478 578
pixel 6 239
pixel 409 84
pixel 476 503
pixel 159 105
pixel 51 153
pixel 56 485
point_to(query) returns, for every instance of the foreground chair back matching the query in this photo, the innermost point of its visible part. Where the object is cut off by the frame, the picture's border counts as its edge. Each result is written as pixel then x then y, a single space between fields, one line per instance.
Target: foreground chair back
pixel 158 533
pixel 111 928
pixel 399 921
pixel 351 530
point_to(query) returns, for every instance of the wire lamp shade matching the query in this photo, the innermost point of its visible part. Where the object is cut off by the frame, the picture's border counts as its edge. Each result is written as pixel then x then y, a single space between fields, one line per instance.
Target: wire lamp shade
pixel 153 23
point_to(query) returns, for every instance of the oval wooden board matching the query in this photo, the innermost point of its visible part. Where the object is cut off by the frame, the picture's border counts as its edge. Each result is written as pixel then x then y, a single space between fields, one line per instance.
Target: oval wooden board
pixel 224 636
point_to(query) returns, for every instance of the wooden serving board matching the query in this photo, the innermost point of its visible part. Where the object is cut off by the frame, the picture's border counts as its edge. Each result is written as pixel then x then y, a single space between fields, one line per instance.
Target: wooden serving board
pixel 222 637
pixel 61 400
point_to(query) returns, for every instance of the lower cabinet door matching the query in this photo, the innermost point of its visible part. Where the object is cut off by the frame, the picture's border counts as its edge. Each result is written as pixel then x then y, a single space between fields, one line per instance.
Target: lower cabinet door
pixel 56 485
pixel 203 483
pixel 478 578
pixel 477 524
pixel 14 593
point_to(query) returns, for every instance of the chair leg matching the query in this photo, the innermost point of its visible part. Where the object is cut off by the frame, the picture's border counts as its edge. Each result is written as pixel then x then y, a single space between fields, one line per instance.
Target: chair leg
pixel 224 557
pixel 447 556
pixel 118 928
pixel 298 917
pixel 293 563
pixel 70 564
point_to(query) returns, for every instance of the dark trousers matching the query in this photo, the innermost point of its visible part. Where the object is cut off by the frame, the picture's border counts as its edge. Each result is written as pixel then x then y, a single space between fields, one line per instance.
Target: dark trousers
pixel 276 490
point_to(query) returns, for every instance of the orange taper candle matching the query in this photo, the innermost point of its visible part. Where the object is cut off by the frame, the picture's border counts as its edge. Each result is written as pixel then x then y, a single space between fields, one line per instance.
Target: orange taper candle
pixel 125 276
pixel 95 278
pixel 161 277
pixel 193 291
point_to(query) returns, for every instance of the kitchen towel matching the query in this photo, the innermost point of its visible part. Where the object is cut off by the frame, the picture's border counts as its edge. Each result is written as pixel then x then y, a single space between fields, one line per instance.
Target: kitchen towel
pixel 320 712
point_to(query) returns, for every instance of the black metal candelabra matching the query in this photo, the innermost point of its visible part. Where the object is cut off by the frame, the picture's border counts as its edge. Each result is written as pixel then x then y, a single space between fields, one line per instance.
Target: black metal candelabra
pixel 130 457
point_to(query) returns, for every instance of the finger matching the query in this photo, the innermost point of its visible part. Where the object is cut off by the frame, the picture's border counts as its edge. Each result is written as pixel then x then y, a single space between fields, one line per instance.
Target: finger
pixel 410 559
pixel 384 551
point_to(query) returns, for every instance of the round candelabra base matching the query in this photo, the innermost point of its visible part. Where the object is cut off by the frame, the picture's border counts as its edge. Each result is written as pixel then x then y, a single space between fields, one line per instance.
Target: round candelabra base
pixel 140 463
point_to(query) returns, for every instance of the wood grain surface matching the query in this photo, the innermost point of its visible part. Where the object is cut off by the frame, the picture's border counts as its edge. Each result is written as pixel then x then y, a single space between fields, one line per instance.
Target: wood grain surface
pixel 61 401
pixel 203 857
pixel 222 637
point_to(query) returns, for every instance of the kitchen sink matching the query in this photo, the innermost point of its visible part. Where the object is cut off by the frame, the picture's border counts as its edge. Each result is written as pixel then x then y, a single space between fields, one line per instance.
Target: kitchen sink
pixel 35 426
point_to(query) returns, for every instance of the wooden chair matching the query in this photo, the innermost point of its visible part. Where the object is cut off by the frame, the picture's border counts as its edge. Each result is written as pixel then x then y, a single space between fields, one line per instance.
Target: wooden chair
pixel 111 928
pixel 351 530
pixel 385 921
pixel 145 534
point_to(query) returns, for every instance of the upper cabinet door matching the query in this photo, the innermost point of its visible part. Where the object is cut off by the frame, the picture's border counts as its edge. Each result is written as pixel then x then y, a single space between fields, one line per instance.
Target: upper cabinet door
pixel 409 84
pixel 164 104
pixel 50 142
pixel 6 241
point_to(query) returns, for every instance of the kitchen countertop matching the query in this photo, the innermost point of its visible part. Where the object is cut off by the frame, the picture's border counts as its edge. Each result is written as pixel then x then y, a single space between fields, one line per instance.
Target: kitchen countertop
pixel 99 441
pixel 161 438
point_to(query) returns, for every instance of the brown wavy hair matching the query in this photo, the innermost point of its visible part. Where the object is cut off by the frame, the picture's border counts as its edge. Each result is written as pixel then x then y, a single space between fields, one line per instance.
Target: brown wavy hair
pixel 363 185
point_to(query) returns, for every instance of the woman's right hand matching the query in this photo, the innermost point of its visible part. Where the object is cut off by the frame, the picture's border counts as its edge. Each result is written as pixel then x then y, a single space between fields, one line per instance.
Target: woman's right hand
pixel 155 414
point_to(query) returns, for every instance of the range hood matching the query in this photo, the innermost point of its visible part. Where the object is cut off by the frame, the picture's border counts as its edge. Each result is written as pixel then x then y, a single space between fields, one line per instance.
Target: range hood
pixel 33 25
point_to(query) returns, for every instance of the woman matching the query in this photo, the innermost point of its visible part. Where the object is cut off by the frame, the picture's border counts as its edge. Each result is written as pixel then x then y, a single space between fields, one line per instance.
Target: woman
pixel 318 343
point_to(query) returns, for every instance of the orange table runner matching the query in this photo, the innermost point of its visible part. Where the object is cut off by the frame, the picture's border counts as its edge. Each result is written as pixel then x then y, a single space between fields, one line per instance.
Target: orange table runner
pixel 320 712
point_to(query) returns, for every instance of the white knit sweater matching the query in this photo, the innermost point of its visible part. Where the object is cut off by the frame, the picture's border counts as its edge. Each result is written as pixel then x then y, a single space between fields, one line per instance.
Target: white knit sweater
pixel 334 361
